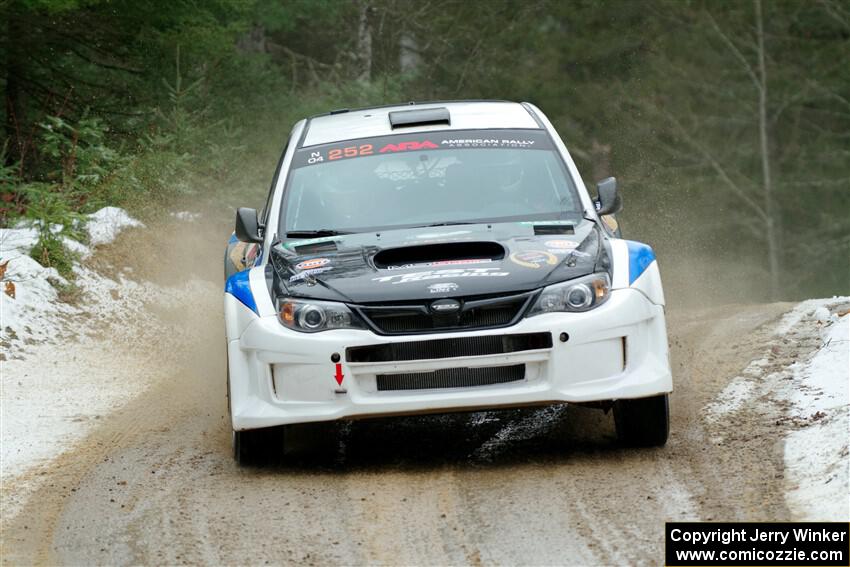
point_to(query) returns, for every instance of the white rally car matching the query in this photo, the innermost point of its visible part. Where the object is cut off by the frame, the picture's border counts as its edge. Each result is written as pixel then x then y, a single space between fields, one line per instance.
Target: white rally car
pixel 433 258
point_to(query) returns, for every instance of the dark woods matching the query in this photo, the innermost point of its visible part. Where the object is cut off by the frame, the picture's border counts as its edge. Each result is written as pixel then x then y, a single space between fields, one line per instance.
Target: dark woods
pixel 728 123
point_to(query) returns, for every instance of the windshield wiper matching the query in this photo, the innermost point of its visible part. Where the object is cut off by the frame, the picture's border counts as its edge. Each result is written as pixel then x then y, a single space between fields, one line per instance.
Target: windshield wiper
pixel 315 233
pixel 452 223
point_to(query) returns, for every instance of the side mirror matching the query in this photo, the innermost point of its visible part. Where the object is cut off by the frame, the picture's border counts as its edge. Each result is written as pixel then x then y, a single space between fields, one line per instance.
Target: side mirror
pixel 247 225
pixel 607 200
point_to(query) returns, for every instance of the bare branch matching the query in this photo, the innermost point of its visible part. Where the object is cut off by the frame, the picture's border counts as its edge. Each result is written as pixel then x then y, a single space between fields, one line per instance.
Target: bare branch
pixel 735 51
pixel 836 12
pixel 114 65
pixel 831 94
pixel 793 99
pixel 843 182
pixel 717 167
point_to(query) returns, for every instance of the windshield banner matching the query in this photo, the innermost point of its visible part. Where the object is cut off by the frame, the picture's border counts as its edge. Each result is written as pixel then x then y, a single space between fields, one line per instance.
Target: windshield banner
pixel 424 141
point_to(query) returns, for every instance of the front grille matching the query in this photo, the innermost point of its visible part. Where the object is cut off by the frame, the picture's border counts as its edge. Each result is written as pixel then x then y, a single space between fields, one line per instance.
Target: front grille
pixel 451 378
pixel 448 348
pixel 475 313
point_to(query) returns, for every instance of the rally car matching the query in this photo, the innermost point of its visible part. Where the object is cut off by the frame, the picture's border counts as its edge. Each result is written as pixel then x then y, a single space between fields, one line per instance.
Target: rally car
pixel 433 258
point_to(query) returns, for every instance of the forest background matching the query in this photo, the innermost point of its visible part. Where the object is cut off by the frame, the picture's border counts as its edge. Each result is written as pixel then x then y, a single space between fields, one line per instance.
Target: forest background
pixel 727 123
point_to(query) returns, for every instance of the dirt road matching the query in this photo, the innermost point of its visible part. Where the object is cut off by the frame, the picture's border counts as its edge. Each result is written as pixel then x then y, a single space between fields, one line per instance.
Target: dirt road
pixel 155 483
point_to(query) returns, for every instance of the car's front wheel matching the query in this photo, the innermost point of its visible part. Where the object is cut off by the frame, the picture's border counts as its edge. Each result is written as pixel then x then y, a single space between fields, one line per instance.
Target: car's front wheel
pixel 644 422
pixel 257 446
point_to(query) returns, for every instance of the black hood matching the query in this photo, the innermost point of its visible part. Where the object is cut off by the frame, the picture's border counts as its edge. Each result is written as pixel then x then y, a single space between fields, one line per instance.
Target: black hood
pixel 432 263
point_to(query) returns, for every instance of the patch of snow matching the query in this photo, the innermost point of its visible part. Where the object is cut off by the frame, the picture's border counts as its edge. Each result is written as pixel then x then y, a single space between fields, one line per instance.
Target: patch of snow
pixel 20 240
pixel 76 247
pixel 804 311
pixel 732 398
pixel 816 452
pixel 104 225
pixel 739 392
pixel 821 314
pixel 186 216
pixel 17 241
pixel 817 457
pixel 52 399
pixel 676 500
pixel 52 393
pixel 33 315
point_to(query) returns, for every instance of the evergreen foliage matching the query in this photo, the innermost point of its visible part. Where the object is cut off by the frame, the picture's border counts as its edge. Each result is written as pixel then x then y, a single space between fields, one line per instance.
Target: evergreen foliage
pixel 727 122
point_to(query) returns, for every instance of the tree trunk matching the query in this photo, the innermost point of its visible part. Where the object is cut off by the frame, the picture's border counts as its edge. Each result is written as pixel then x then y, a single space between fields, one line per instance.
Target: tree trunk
pixel 774 222
pixel 13 103
pixel 600 160
pixel 364 42
pixel 253 41
pixel 408 53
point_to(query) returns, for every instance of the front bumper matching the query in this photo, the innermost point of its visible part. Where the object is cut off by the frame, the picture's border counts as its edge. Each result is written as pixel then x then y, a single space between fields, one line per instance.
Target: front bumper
pixel 278 376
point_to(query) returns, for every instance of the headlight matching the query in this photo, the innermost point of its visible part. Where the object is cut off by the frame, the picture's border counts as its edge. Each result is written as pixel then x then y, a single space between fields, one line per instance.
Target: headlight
pixel 580 294
pixel 314 316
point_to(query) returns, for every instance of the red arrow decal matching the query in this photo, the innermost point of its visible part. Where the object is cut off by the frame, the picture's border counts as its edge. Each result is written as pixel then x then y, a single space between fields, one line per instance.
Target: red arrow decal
pixel 339 375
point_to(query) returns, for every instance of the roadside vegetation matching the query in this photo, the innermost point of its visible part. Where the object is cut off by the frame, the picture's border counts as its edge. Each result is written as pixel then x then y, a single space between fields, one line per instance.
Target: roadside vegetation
pixel 726 122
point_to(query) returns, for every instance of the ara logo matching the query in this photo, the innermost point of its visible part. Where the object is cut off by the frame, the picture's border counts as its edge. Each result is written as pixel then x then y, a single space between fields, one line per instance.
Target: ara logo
pixel 445 306
pixel 407 146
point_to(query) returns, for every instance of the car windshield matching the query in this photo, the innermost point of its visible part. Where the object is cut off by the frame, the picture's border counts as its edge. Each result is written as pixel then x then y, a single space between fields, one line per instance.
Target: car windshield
pixel 427 179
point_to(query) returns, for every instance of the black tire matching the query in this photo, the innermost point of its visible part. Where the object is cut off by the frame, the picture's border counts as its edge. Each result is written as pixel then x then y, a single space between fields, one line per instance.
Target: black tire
pixel 259 446
pixel 644 422
pixel 256 446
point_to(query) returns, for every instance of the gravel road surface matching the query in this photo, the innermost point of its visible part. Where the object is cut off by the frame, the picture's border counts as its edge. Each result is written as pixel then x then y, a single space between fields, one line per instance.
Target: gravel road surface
pixel 154 482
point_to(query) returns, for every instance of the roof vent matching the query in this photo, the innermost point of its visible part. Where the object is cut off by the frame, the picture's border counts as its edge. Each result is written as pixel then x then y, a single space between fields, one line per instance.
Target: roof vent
pixel 543 229
pixel 419 117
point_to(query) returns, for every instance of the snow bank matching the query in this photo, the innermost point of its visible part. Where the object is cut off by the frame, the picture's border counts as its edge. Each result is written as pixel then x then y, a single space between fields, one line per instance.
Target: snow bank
pixel 817 460
pixel 814 391
pixel 104 225
pixel 52 395
pixel 64 366
pixel 92 380
pixel 35 315
pixel 18 241
pixel 817 309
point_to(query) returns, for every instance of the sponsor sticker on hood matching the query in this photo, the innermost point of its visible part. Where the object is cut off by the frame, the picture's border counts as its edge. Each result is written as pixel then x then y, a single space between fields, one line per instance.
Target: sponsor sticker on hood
pixel 534 258
pixel 440 274
pixel 561 244
pixel 440 263
pixel 443 287
pixel 307 273
pixel 312 264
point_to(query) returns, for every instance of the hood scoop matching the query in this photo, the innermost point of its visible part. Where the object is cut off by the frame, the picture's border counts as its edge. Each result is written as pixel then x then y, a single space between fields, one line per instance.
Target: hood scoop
pixel 316 248
pixel 548 229
pixel 448 252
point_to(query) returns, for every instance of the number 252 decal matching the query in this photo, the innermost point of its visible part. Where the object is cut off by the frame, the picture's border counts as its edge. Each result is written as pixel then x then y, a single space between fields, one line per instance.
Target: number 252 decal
pixel 353 151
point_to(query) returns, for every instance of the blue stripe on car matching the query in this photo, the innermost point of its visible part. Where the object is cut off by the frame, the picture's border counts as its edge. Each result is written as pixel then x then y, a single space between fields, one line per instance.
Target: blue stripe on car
pixel 239 286
pixel 233 239
pixel 640 257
